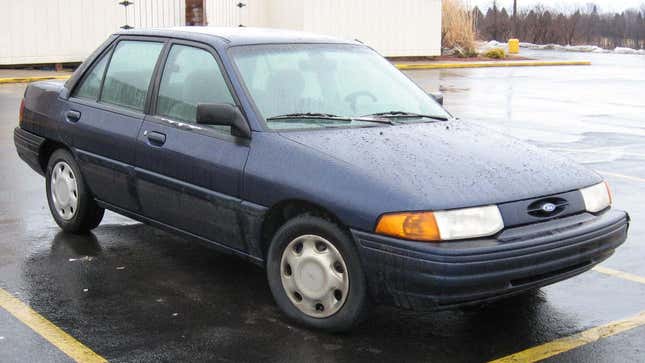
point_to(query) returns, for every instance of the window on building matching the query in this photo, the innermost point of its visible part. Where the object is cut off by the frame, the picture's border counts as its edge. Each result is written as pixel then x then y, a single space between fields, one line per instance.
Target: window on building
pixel 191 76
pixel 129 73
pixel 195 13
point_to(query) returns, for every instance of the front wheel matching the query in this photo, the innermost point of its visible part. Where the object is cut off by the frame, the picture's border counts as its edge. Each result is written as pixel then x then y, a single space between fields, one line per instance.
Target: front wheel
pixel 70 202
pixel 315 274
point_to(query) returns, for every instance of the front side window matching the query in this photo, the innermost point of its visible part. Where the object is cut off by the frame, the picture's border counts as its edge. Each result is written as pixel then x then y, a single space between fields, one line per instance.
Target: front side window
pixel 191 76
pixel 91 84
pixel 129 73
pixel 346 81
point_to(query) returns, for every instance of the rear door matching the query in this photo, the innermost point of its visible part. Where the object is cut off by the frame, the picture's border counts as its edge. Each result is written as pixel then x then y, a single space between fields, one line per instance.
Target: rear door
pixel 188 175
pixel 105 113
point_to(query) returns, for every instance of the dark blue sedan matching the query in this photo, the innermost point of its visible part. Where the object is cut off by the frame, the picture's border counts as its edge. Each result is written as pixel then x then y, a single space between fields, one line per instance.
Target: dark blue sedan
pixel 316 159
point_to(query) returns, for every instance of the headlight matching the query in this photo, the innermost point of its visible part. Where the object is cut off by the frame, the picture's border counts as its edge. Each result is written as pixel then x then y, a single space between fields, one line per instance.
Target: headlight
pixel 442 225
pixel 596 197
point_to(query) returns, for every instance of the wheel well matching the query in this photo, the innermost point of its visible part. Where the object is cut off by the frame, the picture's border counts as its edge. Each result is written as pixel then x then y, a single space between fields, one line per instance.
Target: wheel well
pixel 46 151
pixel 281 212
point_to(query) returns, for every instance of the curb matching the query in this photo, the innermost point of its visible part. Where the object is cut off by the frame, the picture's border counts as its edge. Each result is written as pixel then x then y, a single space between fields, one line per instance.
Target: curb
pixel 29 79
pixel 491 64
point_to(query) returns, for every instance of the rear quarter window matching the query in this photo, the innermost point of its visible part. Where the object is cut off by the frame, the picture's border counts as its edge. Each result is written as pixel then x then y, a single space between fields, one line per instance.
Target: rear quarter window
pixel 91 84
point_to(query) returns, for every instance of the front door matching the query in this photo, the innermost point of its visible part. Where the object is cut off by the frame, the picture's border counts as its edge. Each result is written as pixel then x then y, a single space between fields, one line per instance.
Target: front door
pixel 104 116
pixel 188 175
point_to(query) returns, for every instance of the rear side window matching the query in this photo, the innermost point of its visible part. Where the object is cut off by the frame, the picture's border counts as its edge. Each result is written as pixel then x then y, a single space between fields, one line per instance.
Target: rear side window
pixel 129 73
pixel 91 84
pixel 190 76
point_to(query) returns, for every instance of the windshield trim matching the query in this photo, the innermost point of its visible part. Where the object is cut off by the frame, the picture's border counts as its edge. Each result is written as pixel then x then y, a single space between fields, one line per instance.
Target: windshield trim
pixel 264 122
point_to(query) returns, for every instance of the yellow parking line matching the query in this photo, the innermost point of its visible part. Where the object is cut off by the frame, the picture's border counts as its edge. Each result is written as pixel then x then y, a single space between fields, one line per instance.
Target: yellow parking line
pixel 46 329
pixel 621 274
pixel 30 79
pixel 635 178
pixel 565 344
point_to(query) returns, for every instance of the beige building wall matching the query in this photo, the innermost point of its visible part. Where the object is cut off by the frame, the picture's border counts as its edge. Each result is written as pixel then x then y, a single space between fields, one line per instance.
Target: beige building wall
pixel 49 31
pixel 58 31
pixel 393 27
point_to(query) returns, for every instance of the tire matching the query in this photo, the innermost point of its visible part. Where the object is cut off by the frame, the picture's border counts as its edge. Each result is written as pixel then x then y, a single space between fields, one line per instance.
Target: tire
pixel 337 267
pixel 70 202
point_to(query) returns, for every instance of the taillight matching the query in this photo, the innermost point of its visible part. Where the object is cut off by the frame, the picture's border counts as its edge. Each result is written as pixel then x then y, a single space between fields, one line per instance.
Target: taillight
pixel 21 113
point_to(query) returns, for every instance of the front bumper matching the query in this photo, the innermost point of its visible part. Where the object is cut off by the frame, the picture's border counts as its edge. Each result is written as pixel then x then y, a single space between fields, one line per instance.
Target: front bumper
pixel 431 276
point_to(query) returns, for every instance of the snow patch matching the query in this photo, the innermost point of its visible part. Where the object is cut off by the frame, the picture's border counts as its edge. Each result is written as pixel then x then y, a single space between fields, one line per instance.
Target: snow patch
pixel 581 48
pixel 483 47
pixel 621 50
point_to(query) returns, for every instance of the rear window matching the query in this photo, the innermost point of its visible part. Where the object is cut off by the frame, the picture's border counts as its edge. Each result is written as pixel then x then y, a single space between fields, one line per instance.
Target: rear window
pixel 129 73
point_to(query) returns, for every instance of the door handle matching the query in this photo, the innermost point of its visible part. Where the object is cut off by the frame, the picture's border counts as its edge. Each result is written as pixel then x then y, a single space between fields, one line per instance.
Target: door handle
pixel 73 116
pixel 155 138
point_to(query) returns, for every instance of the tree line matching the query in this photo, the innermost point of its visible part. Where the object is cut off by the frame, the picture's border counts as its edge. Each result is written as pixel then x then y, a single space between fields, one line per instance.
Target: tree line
pixel 581 26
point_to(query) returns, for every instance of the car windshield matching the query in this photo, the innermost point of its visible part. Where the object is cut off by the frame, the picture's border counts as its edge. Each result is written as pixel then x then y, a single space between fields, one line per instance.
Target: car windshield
pixel 330 85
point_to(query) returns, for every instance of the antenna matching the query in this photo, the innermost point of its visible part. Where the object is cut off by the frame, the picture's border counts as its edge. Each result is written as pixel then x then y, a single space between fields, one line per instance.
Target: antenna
pixel 125 4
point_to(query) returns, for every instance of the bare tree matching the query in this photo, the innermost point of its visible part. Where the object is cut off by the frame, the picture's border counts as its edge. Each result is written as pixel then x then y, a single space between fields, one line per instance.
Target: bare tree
pixel 570 25
pixel 514 18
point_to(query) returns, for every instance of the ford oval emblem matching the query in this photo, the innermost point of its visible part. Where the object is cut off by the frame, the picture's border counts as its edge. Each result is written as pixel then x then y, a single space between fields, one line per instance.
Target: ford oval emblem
pixel 548 207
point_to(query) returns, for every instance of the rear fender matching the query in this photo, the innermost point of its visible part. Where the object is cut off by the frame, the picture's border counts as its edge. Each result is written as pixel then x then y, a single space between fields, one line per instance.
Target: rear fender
pixel 43 109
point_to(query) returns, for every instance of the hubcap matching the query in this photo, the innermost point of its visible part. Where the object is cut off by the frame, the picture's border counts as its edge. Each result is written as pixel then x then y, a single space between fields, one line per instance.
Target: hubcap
pixel 314 276
pixel 64 190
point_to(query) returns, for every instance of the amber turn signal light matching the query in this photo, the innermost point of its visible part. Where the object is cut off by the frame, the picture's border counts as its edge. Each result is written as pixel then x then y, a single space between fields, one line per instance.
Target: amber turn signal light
pixel 418 226
pixel 611 197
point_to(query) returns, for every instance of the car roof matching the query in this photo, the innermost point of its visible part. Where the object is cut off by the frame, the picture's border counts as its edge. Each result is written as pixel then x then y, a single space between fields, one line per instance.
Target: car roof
pixel 237 35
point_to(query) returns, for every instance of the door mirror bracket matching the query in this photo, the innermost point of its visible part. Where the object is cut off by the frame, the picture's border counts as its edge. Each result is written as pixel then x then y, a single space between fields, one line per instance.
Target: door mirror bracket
pixel 223 114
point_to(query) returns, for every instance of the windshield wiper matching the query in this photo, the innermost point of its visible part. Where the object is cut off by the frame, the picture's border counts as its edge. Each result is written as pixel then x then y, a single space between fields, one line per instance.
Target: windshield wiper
pixel 404 114
pixel 309 115
pixel 326 116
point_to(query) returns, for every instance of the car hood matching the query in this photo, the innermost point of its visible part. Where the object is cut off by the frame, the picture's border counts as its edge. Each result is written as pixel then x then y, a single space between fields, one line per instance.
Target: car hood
pixel 444 165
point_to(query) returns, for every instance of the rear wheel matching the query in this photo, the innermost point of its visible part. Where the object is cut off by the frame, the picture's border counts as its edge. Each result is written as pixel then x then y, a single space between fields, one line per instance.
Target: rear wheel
pixel 70 203
pixel 315 274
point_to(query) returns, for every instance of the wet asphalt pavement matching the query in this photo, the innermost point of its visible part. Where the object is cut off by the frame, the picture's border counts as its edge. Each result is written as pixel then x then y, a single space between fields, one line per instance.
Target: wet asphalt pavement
pixel 133 293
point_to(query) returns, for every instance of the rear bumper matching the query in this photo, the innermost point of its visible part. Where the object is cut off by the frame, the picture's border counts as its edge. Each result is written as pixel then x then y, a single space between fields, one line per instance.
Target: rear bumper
pixel 28 146
pixel 425 276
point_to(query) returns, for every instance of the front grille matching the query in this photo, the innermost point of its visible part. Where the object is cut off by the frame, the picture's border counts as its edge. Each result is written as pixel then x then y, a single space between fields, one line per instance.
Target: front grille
pixel 530 211
pixel 539 207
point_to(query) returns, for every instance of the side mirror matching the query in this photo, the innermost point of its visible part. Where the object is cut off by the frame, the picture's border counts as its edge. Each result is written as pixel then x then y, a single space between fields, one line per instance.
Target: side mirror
pixel 437 96
pixel 223 114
